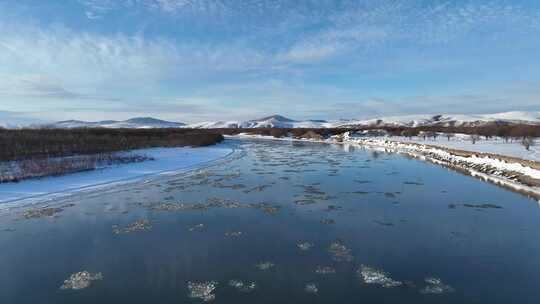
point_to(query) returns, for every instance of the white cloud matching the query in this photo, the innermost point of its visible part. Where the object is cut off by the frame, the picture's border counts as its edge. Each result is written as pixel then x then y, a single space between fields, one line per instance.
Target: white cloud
pixel 264 52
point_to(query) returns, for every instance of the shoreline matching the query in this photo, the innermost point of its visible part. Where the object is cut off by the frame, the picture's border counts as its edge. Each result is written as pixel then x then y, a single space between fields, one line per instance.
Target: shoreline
pixel 168 161
pixel 515 174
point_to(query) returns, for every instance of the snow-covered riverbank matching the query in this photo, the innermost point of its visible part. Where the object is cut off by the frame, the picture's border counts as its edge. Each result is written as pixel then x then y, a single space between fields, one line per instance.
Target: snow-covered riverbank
pixel 522 175
pixel 166 161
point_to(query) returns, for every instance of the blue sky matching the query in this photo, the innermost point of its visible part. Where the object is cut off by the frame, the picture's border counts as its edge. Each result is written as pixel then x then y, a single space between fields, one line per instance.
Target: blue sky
pixel 196 60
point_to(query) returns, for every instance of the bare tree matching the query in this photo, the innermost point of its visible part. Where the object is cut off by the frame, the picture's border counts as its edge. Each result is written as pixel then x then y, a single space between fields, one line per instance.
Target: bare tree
pixel 475 138
pixel 527 142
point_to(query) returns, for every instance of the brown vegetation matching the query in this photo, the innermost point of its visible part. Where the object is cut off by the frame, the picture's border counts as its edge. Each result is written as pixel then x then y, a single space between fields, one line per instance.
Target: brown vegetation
pixel 44 143
pixel 508 132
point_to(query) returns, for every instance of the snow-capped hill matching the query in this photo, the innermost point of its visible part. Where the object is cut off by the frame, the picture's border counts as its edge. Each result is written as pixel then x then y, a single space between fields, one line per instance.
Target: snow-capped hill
pixel 133 123
pixel 274 121
pixel 275 118
pixel 214 125
pixel 448 120
pixel 69 124
pixel 279 121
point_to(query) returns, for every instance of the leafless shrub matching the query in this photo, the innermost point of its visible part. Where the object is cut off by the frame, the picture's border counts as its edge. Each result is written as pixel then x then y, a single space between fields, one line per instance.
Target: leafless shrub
pixel 527 142
pixel 474 138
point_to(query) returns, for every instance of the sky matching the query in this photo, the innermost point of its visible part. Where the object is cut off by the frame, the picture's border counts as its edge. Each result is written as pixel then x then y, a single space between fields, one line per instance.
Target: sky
pixel 203 60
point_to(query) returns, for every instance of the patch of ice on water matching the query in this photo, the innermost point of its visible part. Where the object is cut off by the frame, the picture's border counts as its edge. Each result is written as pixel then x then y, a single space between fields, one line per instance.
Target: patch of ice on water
pixel 304 246
pixel 243 286
pixel 436 286
pixel 264 265
pixel 233 234
pixel 325 270
pixel 202 290
pixel 196 227
pixel 374 276
pixel 311 288
pixel 81 280
pixel 340 252
pixel 138 225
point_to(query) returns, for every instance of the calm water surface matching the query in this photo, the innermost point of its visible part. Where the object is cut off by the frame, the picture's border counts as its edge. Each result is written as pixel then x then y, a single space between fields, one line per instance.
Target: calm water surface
pixel 404 219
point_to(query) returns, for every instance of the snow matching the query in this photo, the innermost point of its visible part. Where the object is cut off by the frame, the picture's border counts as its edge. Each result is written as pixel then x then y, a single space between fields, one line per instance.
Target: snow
pixel 133 123
pixel 494 145
pixel 496 169
pixel 278 121
pixel 275 121
pixel 167 161
pixel 450 119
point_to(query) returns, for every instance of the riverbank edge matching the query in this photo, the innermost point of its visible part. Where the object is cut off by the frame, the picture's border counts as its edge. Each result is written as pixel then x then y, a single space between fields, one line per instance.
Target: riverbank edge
pixel 519 175
pixel 146 178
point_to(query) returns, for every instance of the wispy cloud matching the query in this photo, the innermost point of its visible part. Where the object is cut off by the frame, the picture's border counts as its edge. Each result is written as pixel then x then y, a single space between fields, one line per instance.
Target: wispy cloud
pixel 247 57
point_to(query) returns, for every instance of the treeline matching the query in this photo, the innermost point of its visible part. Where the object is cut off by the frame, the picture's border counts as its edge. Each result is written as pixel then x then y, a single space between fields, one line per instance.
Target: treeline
pixel 43 143
pixel 517 131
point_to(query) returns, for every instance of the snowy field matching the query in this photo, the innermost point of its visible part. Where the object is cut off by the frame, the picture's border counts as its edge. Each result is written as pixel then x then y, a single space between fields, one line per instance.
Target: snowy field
pixel 167 161
pixel 494 145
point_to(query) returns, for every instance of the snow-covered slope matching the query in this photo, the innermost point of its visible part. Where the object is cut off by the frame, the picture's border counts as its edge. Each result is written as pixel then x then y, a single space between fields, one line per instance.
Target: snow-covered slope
pixel 134 123
pixel 451 120
pixel 274 121
pixel 278 121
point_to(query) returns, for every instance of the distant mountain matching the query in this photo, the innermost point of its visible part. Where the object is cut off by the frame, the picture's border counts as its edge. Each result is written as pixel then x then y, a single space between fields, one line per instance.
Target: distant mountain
pixel 274 121
pixel 278 121
pixel 133 123
pixel 506 118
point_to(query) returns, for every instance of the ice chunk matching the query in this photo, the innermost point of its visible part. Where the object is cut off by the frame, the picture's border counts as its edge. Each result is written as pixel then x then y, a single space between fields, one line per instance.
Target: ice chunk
pixel 233 234
pixel 243 286
pixel 311 288
pixel 202 290
pixel 196 227
pixel 374 276
pixel 325 270
pixel 436 286
pixel 340 252
pixel 138 225
pixel 41 212
pixel 81 280
pixel 264 265
pixel 304 246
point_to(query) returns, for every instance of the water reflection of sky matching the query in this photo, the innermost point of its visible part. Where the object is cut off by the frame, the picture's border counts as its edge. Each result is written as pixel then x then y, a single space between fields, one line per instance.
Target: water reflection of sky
pixel 402 217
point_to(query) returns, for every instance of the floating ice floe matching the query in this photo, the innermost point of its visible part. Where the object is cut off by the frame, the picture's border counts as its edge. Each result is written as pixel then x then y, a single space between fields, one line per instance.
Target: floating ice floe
pixel 340 252
pixel 138 225
pixel 81 280
pixel 436 286
pixel 196 227
pixel 233 233
pixel 266 207
pixel 374 276
pixel 41 212
pixel 265 265
pixel 243 286
pixel 202 290
pixel 325 270
pixel 328 221
pixel 311 288
pixel 304 246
